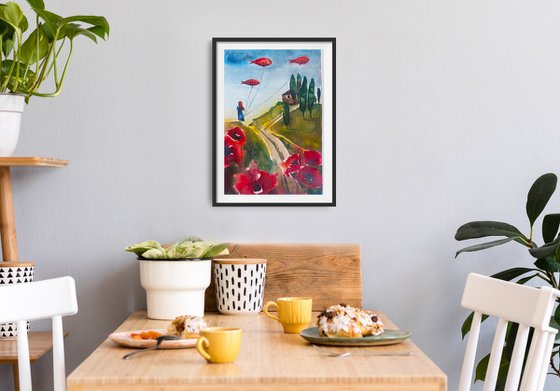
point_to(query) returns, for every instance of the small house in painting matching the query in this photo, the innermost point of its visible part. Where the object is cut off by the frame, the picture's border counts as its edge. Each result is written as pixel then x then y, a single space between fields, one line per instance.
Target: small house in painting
pixel 289 99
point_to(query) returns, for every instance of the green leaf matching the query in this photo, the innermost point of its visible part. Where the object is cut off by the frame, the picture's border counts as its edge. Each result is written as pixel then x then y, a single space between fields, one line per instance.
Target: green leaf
pixel 28 53
pixel 550 226
pixel 482 246
pixel 550 264
pixel 215 250
pixel 72 30
pixel 140 248
pixel 523 281
pixel 24 76
pixel 546 250
pixel 510 274
pixel 539 195
pixel 36 4
pixel 480 229
pixel 155 253
pixel 556 320
pixel 101 25
pixel 12 14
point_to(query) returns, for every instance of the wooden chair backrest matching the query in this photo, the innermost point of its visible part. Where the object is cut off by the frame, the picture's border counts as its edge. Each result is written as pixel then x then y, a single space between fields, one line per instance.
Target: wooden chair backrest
pixel 328 273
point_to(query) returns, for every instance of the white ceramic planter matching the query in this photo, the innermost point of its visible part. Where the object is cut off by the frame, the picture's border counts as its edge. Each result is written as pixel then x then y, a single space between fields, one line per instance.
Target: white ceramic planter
pixel 11 107
pixel 239 285
pixel 175 288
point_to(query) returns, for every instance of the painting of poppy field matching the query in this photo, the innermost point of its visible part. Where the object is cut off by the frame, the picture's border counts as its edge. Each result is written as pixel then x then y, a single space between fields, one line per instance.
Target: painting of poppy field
pixel 274 137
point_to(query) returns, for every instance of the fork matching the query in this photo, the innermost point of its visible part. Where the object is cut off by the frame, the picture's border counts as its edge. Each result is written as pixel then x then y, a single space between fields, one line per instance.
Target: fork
pixel 378 354
pixel 159 340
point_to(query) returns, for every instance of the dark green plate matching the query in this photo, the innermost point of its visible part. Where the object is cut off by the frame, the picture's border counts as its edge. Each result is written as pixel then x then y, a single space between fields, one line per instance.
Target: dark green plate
pixel 389 337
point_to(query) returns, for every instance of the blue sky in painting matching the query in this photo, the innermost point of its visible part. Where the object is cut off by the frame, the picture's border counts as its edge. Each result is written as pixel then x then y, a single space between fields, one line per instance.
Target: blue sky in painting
pixel 275 78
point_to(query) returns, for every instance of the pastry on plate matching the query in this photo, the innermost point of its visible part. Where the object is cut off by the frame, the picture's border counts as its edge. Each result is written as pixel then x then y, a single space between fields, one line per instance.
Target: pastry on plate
pixel 186 326
pixel 344 321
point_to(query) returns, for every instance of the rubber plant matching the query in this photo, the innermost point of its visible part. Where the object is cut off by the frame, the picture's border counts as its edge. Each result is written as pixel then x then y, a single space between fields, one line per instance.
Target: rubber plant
pixel 545 264
pixel 28 58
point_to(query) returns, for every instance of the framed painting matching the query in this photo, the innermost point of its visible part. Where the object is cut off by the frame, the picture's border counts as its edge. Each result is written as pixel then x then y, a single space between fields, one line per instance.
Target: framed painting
pixel 274 121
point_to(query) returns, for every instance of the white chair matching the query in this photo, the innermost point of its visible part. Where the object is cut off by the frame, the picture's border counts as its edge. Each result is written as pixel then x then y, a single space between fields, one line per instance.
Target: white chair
pixel 54 299
pixel 509 302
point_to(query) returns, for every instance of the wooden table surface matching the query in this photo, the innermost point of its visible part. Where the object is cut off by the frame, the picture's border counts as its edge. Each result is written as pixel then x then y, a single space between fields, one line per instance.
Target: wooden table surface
pixel 268 360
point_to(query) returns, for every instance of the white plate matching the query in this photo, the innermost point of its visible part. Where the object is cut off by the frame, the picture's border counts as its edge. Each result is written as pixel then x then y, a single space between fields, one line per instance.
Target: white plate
pixel 125 339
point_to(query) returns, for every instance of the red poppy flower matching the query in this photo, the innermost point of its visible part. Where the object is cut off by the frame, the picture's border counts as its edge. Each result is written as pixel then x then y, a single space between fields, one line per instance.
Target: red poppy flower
pixel 237 134
pixel 310 177
pixel 312 158
pixel 233 152
pixel 292 164
pixel 254 181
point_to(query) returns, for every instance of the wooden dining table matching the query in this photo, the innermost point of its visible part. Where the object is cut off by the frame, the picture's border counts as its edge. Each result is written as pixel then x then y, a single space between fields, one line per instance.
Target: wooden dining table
pixel 269 359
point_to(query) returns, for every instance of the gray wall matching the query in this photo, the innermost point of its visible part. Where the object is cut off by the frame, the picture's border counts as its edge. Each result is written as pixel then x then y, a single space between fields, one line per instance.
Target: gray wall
pixel 447 111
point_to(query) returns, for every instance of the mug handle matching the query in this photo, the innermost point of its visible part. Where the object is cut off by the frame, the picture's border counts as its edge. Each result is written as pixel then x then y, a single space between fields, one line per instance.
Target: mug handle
pixel 265 309
pixel 201 345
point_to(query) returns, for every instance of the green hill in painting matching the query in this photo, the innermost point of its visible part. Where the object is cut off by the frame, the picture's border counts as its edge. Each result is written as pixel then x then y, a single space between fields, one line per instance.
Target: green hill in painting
pixel 303 131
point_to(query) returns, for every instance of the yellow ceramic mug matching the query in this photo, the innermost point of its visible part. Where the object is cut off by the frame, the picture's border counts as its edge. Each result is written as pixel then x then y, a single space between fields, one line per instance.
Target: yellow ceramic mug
pixel 294 313
pixel 219 344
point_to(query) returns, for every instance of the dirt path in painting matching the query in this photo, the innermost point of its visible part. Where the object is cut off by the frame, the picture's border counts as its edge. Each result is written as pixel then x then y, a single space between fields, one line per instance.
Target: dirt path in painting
pixel 278 152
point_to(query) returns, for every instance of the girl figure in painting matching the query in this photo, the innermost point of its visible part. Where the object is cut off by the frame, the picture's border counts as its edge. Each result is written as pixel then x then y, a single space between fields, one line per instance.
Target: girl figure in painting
pixel 240 110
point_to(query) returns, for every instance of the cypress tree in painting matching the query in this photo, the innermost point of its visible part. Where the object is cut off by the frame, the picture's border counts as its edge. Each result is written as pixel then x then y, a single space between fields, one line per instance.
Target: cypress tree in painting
pixel 303 96
pixel 318 95
pixel 293 87
pixel 286 114
pixel 298 84
pixel 311 97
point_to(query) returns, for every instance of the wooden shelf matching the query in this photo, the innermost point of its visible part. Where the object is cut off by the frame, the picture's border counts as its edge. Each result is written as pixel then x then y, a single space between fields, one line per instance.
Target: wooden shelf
pixel 32 161
pixel 7 218
pixel 40 342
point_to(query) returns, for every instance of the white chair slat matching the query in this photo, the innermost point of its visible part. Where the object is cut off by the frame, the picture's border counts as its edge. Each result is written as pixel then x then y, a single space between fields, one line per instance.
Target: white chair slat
pixel 514 373
pixel 470 353
pixel 531 308
pixel 495 356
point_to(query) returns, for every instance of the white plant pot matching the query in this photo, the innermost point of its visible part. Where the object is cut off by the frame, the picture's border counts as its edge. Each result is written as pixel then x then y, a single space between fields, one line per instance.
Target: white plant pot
pixel 11 107
pixel 176 287
pixel 239 285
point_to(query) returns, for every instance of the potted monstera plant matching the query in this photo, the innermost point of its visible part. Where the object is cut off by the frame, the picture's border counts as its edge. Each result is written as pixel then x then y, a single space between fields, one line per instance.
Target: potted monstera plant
pixel 29 57
pixel 175 277
pixel 544 266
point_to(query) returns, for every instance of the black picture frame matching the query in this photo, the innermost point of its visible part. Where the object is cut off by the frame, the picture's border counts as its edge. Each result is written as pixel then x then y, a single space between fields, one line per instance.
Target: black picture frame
pixel 326 101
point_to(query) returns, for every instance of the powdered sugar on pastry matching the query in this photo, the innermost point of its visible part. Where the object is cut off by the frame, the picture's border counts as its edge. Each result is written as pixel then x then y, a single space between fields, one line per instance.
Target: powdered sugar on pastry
pixel 345 321
pixel 187 326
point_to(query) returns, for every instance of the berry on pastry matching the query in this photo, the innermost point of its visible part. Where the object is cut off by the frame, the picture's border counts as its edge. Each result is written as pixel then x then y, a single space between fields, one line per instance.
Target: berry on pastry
pixel 342 320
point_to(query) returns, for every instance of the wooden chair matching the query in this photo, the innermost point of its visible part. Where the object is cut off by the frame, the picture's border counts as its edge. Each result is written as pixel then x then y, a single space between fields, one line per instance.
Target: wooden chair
pixel 53 299
pixel 509 302
pixel 328 273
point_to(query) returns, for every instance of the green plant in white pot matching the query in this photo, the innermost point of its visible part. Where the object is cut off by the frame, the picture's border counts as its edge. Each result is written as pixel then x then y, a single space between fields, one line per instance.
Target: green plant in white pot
pixel 30 57
pixel 175 277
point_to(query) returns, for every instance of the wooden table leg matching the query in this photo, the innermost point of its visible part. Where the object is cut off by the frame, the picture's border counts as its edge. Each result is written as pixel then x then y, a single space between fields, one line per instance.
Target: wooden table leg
pixel 7 219
pixel 15 372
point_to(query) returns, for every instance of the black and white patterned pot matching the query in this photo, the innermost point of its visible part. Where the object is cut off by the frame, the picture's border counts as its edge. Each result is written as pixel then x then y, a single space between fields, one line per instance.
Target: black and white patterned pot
pixel 14 273
pixel 239 285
